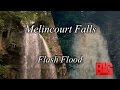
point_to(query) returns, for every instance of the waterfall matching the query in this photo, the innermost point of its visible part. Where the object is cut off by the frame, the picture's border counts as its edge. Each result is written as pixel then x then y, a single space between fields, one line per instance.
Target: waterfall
pixel 31 69
pixel 34 46
pixel 45 46
pixel 93 48
pixel 51 67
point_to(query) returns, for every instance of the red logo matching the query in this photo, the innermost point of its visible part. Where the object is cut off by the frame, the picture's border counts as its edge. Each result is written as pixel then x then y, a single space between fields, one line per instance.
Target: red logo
pixel 104 68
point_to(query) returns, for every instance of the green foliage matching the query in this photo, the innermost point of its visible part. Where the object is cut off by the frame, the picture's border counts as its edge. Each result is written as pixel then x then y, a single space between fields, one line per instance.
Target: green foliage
pixel 4 69
pixel 1 23
pixel 26 17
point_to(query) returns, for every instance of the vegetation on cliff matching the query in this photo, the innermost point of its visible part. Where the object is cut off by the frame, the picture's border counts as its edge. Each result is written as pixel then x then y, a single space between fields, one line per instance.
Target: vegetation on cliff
pixel 12 25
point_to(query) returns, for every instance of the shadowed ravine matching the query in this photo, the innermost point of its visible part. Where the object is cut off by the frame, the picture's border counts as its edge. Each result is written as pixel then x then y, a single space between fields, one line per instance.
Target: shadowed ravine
pixel 93 47
pixel 34 46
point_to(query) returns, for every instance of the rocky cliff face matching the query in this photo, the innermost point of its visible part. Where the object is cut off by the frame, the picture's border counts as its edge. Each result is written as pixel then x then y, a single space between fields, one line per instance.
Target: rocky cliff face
pixel 55 49
pixel 45 44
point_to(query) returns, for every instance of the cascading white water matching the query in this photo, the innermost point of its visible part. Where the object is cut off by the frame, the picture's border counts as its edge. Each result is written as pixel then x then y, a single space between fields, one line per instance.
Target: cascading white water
pixel 31 69
pixel 34 43
pixel 48 54
pixel 93 48
pixel 50 66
